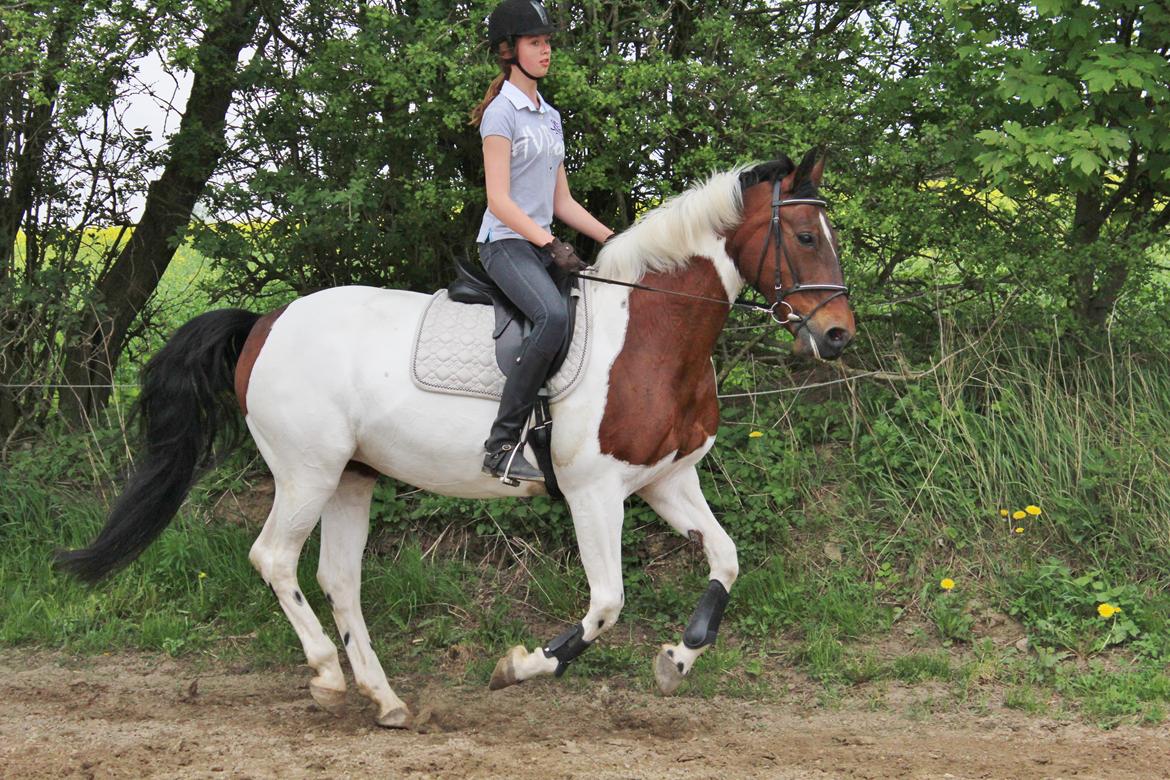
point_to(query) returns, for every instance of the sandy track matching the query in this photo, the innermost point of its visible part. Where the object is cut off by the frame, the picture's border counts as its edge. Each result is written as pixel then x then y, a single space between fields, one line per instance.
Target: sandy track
pixel 145 716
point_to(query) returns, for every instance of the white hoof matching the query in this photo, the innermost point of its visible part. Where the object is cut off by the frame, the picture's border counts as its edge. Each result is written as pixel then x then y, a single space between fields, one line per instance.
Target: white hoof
pixel 397 718
pixel 505 672
pixel 668 670
pixel 329 699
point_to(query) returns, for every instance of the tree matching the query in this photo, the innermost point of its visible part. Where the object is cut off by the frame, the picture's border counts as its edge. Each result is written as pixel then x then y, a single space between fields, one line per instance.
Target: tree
pixel 193 156
pixel 64 166
pixel 1076 127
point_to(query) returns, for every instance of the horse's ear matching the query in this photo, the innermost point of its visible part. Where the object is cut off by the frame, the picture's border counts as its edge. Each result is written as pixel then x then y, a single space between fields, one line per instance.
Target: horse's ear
pixel 818 169
pixel 804 171
pixel 811 167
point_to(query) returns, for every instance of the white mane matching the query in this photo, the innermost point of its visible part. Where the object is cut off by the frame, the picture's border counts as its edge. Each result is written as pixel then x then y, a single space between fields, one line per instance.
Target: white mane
pixel 666 238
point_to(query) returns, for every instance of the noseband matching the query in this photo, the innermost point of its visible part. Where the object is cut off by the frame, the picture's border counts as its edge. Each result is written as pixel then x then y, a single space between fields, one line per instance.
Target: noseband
pixel 782 292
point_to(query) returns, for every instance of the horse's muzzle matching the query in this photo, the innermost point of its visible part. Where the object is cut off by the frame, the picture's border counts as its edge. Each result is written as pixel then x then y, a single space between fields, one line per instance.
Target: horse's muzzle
pixel 823 340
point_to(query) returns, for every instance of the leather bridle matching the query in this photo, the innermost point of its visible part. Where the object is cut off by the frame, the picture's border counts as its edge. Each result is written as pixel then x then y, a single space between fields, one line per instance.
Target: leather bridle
pixel 782 292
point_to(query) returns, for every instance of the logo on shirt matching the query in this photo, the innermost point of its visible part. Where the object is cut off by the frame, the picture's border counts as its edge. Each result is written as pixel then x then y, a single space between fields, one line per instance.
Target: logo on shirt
pixel 555 124
pixel 532 142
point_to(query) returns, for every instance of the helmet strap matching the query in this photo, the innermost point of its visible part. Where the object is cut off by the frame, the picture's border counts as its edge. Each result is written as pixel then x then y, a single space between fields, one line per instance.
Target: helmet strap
pixel 515 60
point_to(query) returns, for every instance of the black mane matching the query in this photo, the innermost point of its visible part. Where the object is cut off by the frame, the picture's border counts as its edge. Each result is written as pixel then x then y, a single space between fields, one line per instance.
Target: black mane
pixel 774 170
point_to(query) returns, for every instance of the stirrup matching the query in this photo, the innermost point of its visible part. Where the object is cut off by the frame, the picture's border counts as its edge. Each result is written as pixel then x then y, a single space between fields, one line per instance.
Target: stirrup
pixel 510 466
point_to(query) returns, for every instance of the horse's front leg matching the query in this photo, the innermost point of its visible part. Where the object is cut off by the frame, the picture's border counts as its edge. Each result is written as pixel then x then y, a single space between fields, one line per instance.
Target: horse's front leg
pixel 597 520
pixel 679 500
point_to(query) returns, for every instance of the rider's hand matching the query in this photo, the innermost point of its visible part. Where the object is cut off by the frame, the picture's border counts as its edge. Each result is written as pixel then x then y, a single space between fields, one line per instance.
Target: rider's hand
pixel 565 256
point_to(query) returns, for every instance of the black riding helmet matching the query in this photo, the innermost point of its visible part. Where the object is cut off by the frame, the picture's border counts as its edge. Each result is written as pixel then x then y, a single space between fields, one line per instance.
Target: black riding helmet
pixel 513 18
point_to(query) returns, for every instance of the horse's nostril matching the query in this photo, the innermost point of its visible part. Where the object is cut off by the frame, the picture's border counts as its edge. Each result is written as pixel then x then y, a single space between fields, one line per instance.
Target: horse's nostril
pixel 838 336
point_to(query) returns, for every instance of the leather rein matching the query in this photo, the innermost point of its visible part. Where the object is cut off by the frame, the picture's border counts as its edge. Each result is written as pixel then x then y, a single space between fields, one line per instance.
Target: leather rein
pixel 774 235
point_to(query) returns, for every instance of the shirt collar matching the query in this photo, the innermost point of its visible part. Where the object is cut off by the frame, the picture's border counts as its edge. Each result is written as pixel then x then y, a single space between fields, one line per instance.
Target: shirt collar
pixel 520 100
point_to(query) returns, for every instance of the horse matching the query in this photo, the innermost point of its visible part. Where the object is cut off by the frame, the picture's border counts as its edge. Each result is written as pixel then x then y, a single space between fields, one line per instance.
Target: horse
pixel 323 388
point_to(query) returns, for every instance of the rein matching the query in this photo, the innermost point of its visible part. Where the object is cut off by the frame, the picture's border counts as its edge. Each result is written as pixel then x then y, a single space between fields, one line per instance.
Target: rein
pixel 740 303
pixel 782 292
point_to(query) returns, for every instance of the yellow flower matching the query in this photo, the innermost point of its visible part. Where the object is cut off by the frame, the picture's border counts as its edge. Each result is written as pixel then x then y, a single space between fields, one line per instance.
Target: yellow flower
pixel 1107 610
pixel 202 575
pixel 1019 530
pixel 947 583
pixel 1033 510
pixel 755 434
pixel 1004 513
pixel 1019 515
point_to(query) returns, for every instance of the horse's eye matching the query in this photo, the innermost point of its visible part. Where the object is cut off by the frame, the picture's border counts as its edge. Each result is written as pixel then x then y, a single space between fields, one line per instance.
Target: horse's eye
pixel 805 239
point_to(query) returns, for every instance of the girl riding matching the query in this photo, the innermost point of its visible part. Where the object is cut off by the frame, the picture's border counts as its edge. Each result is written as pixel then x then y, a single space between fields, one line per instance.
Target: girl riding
pixel 524 173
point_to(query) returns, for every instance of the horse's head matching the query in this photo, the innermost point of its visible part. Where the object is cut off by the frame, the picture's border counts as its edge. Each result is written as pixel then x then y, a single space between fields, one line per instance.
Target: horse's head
pixel 786 249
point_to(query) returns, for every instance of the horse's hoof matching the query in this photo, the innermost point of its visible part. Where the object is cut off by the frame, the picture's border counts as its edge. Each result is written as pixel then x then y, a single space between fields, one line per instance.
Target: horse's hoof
pixel 666 671
pixel 505 672
pixel 397 718
pixel 329 699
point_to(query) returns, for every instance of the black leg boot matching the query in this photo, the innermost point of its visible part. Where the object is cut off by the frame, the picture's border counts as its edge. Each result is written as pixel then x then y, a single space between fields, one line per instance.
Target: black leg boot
pixel 505 458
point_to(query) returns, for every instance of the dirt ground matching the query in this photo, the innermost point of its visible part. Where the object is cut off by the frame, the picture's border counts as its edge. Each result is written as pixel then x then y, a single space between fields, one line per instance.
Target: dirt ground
pixel 148 716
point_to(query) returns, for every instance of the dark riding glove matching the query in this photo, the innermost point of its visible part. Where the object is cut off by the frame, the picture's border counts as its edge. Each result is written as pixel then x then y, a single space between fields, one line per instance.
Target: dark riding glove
pixel 565 256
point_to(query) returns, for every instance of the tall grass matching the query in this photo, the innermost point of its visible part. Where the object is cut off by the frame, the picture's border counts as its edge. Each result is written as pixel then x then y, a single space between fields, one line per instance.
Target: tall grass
pixel 1009 422
pixel 847 511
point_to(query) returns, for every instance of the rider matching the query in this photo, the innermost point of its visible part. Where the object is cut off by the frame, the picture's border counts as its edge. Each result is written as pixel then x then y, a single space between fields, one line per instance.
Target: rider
pixel 524 172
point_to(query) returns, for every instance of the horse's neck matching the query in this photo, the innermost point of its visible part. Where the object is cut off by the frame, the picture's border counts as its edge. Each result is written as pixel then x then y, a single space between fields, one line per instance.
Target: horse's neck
pixel 662 393
pixel 679 328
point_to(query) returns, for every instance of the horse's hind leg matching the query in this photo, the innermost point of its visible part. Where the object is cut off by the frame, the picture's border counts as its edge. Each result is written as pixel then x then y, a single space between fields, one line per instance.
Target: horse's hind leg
pixel 345 524
pixel 679 500
pixel 300 497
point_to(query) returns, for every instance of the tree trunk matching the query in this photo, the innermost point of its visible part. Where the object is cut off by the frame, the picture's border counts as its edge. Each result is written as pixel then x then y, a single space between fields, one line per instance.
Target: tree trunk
pixel 26 128
pixel 195 152
pixel 1091 300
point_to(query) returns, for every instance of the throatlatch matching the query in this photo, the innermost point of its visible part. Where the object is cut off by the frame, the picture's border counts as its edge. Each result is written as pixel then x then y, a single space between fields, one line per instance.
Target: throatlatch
pixel 704 625
pixel 566 647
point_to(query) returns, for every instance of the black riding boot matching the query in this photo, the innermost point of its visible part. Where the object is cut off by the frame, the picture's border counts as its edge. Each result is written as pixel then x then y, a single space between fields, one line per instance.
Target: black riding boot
pixel 505 458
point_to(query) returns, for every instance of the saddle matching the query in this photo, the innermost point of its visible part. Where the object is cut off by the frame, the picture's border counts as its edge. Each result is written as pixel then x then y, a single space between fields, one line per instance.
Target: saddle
pixel 473 285
pixel 451 353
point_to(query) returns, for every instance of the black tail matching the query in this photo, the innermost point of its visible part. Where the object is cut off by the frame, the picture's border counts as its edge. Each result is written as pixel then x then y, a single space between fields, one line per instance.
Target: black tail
pixel 185 408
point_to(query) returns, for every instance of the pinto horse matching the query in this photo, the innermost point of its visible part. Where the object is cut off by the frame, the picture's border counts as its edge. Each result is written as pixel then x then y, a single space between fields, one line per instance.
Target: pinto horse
pixel 325 391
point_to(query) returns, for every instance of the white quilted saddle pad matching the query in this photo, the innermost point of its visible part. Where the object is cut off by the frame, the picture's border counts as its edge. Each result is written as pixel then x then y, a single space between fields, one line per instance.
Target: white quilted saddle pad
pixel 454 352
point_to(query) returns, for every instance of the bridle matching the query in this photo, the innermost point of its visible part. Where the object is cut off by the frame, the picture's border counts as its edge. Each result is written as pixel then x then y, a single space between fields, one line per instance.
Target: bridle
pixel 782 292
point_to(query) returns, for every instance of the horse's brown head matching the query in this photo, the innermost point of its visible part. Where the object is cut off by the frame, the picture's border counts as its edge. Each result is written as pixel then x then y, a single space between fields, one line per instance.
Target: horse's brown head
pixel 786 249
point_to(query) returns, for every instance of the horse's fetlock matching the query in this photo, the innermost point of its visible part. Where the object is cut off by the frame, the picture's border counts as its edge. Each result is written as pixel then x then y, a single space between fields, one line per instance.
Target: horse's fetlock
pixel 605 608
pixel 566 647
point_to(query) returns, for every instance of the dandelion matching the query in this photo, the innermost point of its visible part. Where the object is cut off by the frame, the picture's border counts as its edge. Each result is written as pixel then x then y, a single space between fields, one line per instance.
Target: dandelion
pixel 202 575
pixel 1107 610
pixel 1019 514
pixel 947 583
pixel 1033 510
pixel 755 434
pixel 1004 513
pixel 1019 529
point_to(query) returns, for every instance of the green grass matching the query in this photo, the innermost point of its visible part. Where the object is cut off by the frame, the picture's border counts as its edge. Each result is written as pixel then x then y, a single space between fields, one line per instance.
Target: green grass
pixel 847 513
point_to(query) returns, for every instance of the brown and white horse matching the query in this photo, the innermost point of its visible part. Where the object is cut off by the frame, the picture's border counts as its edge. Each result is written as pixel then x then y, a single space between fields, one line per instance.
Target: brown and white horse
pixel 325 389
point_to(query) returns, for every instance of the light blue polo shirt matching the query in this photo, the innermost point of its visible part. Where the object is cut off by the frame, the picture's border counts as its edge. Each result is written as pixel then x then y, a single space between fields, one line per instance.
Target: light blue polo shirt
pixel 538 148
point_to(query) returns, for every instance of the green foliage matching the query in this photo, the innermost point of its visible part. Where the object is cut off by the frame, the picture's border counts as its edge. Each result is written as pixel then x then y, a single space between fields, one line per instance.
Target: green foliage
pixel 1073 127
pixel 1113 696
pixel 1060 610
pixel 951 617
